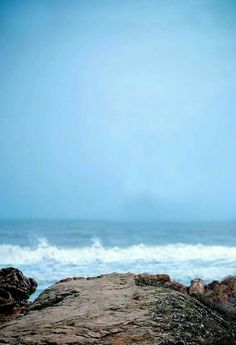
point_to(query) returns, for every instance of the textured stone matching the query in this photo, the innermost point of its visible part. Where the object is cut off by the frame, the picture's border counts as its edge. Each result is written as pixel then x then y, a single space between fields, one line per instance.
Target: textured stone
pixel 221 296
pixel 15 289
pixel 113 309
pixel 197 287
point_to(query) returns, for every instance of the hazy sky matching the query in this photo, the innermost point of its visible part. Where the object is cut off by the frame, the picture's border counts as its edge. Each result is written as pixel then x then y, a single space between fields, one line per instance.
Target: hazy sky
pixel 118 109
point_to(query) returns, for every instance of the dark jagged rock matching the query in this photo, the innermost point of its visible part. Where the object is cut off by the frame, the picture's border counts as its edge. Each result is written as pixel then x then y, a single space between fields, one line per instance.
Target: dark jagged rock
pixel 15 289
pixel 120 309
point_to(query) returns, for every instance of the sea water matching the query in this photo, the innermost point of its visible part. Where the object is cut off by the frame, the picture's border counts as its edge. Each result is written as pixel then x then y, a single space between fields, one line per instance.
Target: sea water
pixel 52 250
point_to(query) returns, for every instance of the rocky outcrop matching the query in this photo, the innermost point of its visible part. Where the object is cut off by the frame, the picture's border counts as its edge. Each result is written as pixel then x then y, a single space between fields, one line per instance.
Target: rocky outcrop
pixel 119 309
pixel 218 295
pixel 161 280
pixel 15 289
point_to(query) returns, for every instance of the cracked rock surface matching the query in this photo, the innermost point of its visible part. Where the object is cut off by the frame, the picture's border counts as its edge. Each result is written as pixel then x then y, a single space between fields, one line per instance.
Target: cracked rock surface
pixel 114 309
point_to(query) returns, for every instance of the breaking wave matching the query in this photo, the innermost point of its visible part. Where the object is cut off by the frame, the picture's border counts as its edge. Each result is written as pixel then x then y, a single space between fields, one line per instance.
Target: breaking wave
pixel 96 252
pixel 49 263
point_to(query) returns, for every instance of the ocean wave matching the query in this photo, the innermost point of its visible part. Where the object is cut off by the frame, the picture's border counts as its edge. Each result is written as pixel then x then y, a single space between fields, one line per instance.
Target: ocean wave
pixel 96 252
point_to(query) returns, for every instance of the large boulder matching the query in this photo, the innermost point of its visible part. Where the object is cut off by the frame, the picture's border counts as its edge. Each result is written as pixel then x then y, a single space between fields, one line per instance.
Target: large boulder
pixel 119 309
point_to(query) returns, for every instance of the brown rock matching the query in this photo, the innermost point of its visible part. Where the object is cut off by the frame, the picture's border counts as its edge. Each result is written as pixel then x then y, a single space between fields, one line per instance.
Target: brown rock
pixel 152 279
pixel 222 296
pixel 197 287
pixel 178 287
pixel 15 289
pixel 112 309
pixel 163 278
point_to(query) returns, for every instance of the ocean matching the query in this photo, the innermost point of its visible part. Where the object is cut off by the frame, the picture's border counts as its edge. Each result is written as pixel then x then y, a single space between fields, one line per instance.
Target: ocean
pixel 52 250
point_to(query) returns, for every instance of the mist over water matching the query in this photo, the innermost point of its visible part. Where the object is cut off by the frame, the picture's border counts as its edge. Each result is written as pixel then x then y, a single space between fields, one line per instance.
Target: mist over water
pixel 118 110
pixel 121 111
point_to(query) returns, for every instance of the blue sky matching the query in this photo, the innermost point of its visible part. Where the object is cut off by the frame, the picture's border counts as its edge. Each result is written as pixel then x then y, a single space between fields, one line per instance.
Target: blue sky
pixel 118 109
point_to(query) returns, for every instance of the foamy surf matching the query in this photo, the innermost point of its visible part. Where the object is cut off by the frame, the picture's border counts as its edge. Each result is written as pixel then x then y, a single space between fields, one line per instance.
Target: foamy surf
pixel 43 251
pixel 48 263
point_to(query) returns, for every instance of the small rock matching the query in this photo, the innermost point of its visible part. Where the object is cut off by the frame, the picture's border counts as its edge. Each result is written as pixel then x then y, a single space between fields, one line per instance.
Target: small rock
pixel 197 287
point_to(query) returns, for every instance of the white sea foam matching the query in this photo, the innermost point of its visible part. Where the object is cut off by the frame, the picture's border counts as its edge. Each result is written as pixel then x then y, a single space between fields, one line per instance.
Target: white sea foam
pixel 96 252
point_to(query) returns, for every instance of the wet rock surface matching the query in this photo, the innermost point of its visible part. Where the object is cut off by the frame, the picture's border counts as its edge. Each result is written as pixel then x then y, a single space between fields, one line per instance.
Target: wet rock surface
pixel 15 289
pixel 117 309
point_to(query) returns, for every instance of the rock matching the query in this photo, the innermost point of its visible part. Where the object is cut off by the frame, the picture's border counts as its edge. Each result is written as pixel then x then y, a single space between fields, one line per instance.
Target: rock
pixel 221 296
pixel 15 289
pixel 152 279
pixel 160 280
pixel 120 309
pixel 197 287
pixel 163 278
pixel 178 287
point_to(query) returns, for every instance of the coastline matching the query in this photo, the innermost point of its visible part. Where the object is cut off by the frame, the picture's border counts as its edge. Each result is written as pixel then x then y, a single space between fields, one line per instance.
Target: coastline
pixel 120 309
